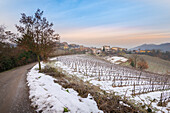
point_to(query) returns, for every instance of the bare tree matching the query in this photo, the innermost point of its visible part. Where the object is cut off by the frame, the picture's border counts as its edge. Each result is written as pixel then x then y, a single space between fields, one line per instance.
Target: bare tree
pixel 142 64
pixel 37 35
pixel 2 33
pixel 6 36
pixel 135 59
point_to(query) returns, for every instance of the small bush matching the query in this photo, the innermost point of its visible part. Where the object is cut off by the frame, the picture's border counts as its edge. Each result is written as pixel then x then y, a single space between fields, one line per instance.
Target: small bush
pixel 48 69
pixel 51 71
pixel 132 64
pixel 66 109
pixel 67 90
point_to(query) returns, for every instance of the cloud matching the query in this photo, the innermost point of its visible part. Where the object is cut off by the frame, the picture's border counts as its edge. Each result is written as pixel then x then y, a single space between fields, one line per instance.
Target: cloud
pixel 118 36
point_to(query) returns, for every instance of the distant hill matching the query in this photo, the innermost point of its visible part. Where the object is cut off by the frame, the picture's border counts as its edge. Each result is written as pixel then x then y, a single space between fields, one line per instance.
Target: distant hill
pixel 162 47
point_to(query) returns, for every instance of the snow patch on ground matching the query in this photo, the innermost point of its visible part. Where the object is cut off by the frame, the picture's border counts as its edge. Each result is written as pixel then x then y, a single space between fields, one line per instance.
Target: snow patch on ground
pixel 116 59
pixel 50 97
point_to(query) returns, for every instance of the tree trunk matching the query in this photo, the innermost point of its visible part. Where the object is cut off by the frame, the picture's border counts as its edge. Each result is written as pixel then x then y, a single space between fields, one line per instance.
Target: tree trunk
pixel 38 57
pixel 135 64
pixel 139 75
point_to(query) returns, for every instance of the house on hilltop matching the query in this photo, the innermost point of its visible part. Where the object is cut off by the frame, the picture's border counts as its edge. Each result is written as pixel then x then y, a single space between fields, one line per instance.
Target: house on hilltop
pixel 116 49
pixel 106 48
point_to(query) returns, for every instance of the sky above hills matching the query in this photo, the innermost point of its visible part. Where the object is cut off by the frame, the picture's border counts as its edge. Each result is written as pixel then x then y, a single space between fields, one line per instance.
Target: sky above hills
pixel 125 23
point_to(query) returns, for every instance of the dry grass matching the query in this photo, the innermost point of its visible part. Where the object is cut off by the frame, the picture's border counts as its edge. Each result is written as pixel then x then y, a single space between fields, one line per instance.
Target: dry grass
pixel 156 65
pixel 51 71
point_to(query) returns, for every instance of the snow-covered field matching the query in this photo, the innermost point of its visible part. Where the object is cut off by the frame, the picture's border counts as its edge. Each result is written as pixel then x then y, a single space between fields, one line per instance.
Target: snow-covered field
pixel 50 97
pixel 114 78
pixel 116 59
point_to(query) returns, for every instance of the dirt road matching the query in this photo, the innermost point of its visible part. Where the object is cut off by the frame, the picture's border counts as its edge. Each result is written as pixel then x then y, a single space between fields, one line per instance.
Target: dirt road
pixel 14 91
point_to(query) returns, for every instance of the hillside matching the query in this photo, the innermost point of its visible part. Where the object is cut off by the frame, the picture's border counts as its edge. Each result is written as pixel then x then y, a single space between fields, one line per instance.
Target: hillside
pixel 156 64
pixel 163 47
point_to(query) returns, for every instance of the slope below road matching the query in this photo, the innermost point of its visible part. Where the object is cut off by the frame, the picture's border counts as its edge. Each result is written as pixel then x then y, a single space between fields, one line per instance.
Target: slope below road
pixel 14 91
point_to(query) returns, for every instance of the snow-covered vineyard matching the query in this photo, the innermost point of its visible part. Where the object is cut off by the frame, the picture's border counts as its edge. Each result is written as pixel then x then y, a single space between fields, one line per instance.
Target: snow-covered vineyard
pixel 138 87
pixel 110 77
pixel 99 71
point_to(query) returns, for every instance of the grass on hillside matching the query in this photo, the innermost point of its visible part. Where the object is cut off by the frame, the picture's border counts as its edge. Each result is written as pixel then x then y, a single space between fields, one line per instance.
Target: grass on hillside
pixel 156 65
